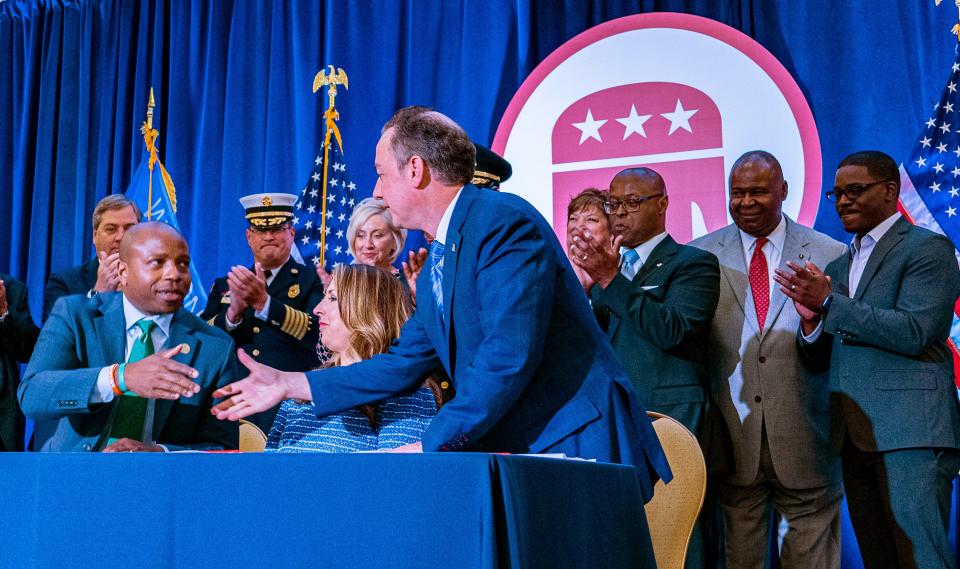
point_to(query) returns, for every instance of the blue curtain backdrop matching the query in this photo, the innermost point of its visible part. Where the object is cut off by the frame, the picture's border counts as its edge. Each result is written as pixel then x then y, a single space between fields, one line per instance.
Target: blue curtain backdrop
pixel 236 113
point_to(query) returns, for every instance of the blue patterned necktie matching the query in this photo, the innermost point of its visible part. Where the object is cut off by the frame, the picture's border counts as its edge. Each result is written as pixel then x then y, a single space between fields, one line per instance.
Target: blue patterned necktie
pixel 436 272
pixel 628 265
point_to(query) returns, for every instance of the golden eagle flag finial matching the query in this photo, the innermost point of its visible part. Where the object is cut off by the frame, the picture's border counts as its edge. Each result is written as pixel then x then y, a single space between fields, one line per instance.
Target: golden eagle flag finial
pixel 330 79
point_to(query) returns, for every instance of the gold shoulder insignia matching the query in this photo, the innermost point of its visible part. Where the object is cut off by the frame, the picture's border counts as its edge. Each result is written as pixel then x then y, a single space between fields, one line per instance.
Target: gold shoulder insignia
pixel 293 291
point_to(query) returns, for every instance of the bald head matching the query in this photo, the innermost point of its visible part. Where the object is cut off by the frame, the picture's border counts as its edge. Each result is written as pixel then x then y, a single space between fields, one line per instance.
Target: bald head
pixel 637 205
pixel 757 191
pixel 154 267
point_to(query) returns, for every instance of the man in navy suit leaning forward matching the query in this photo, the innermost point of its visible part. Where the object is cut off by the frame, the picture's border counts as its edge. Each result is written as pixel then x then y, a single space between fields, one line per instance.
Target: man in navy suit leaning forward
pixel 498 306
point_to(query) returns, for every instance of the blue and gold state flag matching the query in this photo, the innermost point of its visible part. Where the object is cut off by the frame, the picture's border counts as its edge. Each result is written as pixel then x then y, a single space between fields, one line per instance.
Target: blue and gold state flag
pixel 152 189
pixel 322 212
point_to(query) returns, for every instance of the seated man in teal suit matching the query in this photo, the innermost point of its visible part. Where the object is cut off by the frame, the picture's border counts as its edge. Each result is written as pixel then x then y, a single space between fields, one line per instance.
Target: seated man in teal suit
pixel 498 306
pixel 131 370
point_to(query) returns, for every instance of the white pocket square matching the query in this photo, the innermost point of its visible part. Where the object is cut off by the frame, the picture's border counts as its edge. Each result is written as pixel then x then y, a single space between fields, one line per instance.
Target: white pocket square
pixel 650 287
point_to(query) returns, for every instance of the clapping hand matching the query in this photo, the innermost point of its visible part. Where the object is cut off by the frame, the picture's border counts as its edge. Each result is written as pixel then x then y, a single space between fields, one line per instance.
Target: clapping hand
pixel 599 259
pixel 108 273
pixel 411 270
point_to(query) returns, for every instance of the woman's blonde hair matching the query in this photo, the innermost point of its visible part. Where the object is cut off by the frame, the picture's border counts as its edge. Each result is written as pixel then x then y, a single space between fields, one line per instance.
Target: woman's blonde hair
pixel 373 305
pixel 366 209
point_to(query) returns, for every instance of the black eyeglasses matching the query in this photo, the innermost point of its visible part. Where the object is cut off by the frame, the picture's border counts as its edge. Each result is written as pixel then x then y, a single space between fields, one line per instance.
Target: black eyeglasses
pixel 852 191
pixel 630 204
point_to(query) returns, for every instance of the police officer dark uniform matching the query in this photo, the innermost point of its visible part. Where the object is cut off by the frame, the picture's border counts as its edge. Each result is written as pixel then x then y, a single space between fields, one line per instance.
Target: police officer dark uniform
pixel 267 308
pixel 491 169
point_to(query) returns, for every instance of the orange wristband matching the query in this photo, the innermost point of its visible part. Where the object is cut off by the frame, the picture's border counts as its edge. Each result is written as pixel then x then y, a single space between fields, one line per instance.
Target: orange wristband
pixel 114 384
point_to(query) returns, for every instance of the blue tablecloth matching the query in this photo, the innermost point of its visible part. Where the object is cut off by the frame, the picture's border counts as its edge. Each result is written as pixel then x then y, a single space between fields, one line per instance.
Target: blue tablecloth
pixel 313 511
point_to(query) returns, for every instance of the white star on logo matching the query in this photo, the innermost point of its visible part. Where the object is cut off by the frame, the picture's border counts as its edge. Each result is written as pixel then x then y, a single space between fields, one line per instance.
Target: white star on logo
pixel 951 211
pixel 938 168
pixel 941 147
pixel 590 128
pixel 316 176
pixel 679 118
pixel 925 141
pixel 935 187
pixel 633 123
pixel 921 162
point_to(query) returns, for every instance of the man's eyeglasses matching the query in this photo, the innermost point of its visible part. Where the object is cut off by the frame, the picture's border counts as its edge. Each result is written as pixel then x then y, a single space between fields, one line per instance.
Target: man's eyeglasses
pixel 274 229
pixel 630 204
pixel 852 191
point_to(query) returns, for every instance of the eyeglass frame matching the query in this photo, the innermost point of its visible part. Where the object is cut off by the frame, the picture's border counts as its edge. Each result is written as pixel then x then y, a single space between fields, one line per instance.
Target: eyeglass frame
pixel 833 196
pixel 610 207
pixel 275 229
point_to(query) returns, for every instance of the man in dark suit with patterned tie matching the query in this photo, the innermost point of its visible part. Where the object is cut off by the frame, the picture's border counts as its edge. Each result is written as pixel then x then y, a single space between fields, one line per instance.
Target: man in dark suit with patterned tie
pixel 268 308
pixel 878 318
pixel 653 297
pixel 112 217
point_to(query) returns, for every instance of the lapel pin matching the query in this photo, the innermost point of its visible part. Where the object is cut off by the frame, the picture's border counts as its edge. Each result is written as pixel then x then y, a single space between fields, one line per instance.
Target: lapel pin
pixel 659 265
pixel 294 271
pixel 801 255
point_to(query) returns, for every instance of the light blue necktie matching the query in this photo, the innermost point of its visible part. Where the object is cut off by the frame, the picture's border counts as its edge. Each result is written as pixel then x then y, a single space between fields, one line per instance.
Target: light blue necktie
pixel 436 273
pixel 629 263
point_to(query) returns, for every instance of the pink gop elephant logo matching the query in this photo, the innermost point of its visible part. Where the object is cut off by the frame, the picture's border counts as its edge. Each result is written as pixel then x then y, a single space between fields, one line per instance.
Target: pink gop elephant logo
pixel 672 128
pixel 680 94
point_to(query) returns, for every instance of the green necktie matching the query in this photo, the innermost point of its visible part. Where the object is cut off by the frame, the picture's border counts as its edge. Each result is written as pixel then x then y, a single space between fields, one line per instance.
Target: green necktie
pixel 130 416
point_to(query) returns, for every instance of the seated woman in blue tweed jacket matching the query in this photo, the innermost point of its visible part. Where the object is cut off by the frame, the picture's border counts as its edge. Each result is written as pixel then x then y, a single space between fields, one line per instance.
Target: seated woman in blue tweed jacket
pixel 361 314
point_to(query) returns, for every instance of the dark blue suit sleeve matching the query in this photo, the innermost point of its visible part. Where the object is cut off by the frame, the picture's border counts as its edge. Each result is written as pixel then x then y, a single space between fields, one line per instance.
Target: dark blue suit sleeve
pixel 514 282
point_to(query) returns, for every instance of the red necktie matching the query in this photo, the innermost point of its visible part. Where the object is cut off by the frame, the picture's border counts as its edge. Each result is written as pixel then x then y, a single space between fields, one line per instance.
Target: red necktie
pixel 760 281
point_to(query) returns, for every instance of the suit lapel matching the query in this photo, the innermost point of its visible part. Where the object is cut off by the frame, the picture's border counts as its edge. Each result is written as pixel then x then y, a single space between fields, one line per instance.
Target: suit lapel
pixel 734 270
pixel 179 334
pixel 893 236
pixel 451 258
pixel 282 282
pixel 111 329
pixel 793 250
pixel 661 255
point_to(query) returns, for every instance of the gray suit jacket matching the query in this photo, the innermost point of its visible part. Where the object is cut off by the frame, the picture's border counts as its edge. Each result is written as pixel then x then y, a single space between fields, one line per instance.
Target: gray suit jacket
pixel 82 336
pixel 891 372
pixel 758 376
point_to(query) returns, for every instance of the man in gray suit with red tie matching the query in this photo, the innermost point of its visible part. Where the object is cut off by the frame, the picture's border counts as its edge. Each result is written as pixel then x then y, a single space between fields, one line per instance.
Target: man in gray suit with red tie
pixel 878 318
pixel 774 408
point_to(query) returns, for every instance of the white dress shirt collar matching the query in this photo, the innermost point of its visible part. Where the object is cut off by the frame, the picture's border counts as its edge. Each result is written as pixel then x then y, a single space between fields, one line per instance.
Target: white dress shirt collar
pixel 644 249
pixel 444 224
pixel 876 233
pixel 777 238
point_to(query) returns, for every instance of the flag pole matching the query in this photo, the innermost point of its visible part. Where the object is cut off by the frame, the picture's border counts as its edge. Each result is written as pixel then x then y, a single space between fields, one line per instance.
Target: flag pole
pixel 149 135
pixel 330 117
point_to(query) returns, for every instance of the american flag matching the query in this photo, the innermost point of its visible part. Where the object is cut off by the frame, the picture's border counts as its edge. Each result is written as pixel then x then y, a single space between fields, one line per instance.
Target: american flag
pixel 313 221
pixel 930 180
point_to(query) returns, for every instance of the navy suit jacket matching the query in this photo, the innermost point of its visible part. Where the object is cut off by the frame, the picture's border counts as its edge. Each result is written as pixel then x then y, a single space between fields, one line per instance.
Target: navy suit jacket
pixel 532 370
pixel 658 325
pixel 84 335
pixel 75 280
pixel 891 371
